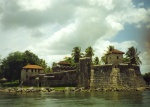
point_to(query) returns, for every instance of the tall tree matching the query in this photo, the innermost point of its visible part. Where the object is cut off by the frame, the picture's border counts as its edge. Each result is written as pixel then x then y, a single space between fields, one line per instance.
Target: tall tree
pixel 12 65
pixel 96 61
pixel 103 59
pixel 133 55
pixel 110 48
pixel 76 54
pixel 89 52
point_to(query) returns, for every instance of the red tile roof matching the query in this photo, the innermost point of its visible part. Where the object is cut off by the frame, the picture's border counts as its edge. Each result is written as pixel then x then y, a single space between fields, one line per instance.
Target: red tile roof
pixel 115 51
pixel 32 67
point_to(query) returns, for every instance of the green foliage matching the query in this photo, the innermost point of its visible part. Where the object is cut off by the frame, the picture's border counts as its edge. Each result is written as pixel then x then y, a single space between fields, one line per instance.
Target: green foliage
pixel 96 61
pixel 133 55
pixel 70 60
pixel 12 65
pixel 76 54
pixel 89 52
pixel 126 60
pixel 11 84
pixel 146 77
pixel 54 64
pixel 103 59
pixel 110 48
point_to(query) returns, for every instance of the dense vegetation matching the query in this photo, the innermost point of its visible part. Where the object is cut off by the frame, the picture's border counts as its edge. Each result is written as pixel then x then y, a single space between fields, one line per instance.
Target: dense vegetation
pixel 13 63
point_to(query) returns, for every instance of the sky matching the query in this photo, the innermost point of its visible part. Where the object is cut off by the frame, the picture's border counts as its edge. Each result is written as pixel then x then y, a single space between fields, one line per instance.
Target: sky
pixel 52 28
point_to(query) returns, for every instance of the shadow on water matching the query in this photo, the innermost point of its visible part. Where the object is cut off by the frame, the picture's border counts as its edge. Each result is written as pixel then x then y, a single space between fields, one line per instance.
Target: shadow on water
pixel 93 99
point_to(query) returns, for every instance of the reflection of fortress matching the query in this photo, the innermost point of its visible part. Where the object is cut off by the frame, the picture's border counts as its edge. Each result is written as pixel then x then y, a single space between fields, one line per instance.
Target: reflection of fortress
pixel 114 74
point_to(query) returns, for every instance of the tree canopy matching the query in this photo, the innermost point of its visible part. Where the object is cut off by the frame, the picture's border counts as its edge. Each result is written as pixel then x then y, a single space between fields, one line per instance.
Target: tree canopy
pixel 76 54
pixel 13 63
pixel 133 56
pixel 89 52
pixel 96 61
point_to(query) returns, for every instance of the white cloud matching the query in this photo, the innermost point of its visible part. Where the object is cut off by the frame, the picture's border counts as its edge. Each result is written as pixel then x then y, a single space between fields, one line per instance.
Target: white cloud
pixel 52 28
pixel 34 4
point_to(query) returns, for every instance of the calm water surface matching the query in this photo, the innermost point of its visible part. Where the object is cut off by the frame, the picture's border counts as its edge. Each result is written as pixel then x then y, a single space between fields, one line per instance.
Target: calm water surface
pixel 95 99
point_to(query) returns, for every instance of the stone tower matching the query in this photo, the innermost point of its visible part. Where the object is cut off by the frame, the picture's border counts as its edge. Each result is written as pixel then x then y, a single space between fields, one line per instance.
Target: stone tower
pixel 114 57
pixel 84 73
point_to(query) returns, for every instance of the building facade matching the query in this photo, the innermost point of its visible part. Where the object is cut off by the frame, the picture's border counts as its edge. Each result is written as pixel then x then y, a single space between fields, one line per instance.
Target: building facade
pixel 30 73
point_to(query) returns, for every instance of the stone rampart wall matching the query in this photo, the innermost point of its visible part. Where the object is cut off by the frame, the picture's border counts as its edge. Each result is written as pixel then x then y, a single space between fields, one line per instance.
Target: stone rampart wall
pixel 124 76
pixel 63 68
pixel 65 78
pixel 100 77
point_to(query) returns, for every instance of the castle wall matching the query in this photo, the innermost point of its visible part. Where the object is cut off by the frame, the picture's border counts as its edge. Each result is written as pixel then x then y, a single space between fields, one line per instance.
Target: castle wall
pixel 130 76
pixel 124 76
pixel 100 77
pixel 84 73
pixel 64 78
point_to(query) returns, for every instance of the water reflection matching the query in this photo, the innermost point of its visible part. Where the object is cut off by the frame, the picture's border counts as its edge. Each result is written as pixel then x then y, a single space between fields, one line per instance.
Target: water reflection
pixel 93 99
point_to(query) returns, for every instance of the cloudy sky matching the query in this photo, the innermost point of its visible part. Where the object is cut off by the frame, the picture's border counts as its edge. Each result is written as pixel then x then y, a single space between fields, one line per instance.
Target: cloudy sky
pixel 51 28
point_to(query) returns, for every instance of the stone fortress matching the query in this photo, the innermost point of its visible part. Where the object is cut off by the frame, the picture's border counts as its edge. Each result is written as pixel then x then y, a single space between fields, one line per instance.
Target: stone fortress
pixel 114 74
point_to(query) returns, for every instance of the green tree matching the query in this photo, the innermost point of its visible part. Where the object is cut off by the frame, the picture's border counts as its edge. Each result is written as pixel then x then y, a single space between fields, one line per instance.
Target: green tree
pixel 76 54
pixel 133 56
pixel 69 60
pixel 54 64
pixel 96 61
pixel 110 48
pixel 30 57
pixel 12 65
pixel 146 77
pixel 89 52
pixel 103 59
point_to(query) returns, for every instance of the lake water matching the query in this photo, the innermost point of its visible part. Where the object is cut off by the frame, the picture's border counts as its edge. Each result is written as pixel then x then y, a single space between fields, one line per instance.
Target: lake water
pixel 94 99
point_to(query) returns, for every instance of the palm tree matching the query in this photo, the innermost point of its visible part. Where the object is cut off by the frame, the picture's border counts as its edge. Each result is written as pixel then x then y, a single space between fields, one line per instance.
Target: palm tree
pixel 96 61
pixel 76 54
pixel 89 52
pixel 133 55
pixel 110 48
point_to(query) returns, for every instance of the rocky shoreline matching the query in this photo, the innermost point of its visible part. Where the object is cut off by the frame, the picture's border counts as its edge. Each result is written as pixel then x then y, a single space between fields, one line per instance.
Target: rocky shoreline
pixel 66 89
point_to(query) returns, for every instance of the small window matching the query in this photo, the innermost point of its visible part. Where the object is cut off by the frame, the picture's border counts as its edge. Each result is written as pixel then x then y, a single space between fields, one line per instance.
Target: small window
pixel 117 57
pixel 26 77
pixel 109 57
pixel 32 70
pixel 26 70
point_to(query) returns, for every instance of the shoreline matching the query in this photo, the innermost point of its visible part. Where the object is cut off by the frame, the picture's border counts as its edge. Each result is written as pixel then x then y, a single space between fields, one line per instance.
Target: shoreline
pixel 66 89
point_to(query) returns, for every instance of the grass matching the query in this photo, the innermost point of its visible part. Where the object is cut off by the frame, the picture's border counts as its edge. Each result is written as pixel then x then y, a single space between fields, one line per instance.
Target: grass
pixel 11 84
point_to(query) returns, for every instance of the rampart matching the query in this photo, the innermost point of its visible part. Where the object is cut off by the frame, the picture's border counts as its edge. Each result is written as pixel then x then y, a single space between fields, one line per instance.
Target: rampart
pixel 93 77
pixel 122 76
pixel 63 78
